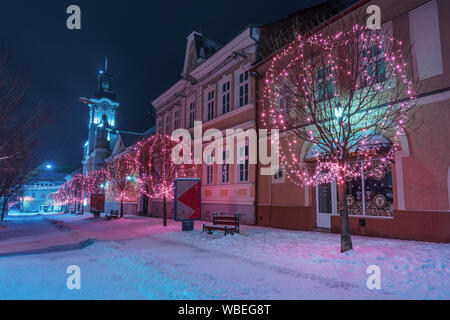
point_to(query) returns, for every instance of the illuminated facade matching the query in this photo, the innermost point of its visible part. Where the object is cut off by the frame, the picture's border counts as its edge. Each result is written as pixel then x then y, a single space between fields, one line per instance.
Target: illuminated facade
pixel 46 180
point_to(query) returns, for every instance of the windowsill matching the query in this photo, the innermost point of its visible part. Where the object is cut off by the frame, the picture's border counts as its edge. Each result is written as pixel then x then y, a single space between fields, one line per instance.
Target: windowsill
pixel 230 184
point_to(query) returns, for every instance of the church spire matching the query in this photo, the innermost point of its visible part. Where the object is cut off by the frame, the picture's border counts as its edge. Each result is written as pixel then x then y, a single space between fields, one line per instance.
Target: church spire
pixel 106 64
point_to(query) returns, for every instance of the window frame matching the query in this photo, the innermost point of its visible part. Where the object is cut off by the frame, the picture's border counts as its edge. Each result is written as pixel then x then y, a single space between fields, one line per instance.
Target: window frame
pixel 167 124
pixel 243 167
pixel 191 114
pixel 210 102
pixel 225 93
pixel 225 168
pixel 238 84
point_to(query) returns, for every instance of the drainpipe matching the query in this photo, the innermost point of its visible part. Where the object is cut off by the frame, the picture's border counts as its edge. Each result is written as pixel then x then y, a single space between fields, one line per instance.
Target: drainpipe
pixel 257 145
pixel 256 76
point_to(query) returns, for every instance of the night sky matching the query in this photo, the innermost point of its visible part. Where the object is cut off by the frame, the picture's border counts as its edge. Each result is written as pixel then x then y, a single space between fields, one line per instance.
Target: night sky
pixel 145 44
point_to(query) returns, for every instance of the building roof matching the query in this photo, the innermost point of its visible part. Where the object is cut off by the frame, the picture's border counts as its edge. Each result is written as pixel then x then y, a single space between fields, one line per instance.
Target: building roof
pixel 55 173
pixel 130 138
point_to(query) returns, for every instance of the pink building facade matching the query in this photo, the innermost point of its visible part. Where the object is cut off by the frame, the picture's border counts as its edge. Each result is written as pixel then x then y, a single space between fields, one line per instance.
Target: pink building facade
pixel 216 88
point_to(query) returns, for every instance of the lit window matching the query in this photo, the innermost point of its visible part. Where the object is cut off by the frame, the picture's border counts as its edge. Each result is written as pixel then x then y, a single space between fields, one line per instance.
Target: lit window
pixel 378 196
pixel 325 84
pixel 373 58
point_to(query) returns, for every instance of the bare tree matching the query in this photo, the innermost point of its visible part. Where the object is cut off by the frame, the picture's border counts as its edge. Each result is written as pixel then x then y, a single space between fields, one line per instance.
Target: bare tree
pixel 17 135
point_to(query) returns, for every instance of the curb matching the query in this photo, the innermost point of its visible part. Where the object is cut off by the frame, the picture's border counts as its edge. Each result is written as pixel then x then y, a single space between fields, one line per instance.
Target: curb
pixel 60 248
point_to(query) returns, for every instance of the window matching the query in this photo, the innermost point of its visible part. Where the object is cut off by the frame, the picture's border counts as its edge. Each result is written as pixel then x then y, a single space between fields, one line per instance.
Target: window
pixel 325 84
pixel 243 89
pixel 376 64
pixel 209 174
pixel 191 114
pixel 209 169
pixel 167 125
pixel 226 93
pixel 160 126
pixel 426 40
pixel 210 105
pixel 225 168
pixel 176 121
pixel 243 164
pixel 377 198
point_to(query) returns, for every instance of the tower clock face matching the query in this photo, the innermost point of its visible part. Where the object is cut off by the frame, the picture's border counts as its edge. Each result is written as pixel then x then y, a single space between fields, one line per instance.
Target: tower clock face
pixel 105 104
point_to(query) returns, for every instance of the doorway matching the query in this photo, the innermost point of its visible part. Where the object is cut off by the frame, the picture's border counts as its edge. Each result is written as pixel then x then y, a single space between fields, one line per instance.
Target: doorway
pixel 326 204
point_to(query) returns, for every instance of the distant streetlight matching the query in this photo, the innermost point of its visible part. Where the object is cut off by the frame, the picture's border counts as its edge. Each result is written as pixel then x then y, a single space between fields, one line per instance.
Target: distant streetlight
pixel 49 166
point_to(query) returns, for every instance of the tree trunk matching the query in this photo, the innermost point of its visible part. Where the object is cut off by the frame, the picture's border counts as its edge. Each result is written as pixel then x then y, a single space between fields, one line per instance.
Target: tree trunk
pixel 346 239
pixel 121 207
pixel 164 211
pixel 5 201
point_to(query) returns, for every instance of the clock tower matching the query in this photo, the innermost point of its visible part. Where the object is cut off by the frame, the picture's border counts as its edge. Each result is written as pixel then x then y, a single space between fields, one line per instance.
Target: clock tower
pixel 102 122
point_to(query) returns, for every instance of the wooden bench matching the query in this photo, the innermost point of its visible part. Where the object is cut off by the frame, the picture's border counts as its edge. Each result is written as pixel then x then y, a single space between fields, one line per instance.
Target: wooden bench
pixel 227 224
pixel 114 215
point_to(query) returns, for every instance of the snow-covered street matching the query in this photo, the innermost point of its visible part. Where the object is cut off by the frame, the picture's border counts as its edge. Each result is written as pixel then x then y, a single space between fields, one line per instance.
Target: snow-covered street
pixel 136 258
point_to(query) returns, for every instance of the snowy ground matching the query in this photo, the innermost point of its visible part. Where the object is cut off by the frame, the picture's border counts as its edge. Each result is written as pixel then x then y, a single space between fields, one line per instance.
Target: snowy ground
pixel 137 258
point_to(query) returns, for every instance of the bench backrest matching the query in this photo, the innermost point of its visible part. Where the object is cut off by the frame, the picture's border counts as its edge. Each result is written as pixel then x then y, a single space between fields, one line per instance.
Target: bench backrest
pixel 226 220
pixel 114 211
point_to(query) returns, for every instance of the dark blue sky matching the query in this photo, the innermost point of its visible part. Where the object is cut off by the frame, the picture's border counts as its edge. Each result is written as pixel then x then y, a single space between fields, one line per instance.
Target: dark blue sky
pixel 144 42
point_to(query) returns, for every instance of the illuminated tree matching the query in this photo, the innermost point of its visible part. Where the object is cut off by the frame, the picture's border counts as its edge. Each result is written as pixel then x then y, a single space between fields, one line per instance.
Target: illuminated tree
pixel 77 187
pixel 157 171
pixel 120 173
pixel 349 95
pixel 95 182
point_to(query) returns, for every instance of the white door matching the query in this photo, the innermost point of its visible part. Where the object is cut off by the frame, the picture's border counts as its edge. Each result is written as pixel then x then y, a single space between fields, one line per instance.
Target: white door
pixel 325 204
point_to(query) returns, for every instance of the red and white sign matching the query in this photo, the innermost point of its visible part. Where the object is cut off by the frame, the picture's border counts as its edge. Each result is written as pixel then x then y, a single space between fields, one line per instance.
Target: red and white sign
pixel 187 199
